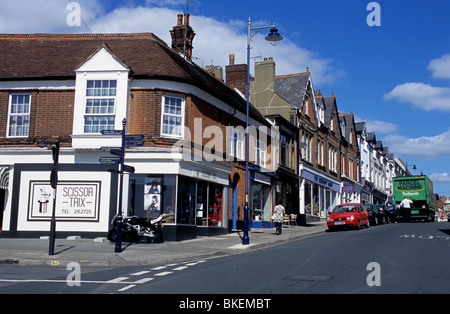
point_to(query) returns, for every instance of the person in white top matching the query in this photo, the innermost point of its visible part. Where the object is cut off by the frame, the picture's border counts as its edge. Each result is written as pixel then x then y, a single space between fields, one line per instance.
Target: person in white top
pixel 406 205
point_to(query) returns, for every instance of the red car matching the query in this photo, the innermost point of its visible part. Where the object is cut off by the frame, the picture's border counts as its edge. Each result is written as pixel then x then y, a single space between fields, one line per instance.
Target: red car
pixel 345 215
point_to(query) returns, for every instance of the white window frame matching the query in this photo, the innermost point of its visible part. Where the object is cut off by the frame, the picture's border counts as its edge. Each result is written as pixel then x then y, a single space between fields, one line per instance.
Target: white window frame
pixel 22 114
pixel 332 158
pixel 260 153
pixel 100 98
pixel 307 142
pixel 181 115
pixel 238 137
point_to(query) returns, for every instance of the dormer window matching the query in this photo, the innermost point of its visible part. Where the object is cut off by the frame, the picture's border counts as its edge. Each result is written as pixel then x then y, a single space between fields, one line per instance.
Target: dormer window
pixel 101 100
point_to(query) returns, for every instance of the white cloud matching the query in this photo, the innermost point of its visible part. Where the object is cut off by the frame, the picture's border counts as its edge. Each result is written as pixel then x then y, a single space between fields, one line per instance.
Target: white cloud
pixel 31 16
pixel 440 67
pixel 421 95
pixel 214 41
pixel 423 147
pixel 166 3
pixel 381 127
pixel 440 177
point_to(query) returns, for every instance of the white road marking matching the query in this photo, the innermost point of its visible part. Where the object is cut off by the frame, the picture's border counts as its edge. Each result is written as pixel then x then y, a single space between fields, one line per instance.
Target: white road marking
pixel 143 280
pixel 140 273
pixel 164 273
pixel 126 288
pixel 159 267
pixel 180 268
pixel 117 280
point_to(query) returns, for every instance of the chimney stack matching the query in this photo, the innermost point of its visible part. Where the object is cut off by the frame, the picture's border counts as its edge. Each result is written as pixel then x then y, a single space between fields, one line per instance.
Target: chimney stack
pixel 183 36
pixel 265 75
pixel 236 75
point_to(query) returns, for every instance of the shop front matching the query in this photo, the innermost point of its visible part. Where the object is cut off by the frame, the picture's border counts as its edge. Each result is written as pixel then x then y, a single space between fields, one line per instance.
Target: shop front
pixel 86 200
pixel 287 193
pixel 261 200
pixel 351 191
pixel 318 194
pixel 192 198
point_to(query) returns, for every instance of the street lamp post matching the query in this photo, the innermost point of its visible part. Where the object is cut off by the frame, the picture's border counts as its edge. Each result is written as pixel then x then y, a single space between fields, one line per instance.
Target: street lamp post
pixel 273 38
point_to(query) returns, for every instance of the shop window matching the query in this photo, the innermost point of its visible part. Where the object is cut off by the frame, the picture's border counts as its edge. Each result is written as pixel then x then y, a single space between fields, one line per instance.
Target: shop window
pixel 186 201
pixel 215 207
pixel 308 199
pixel 200 203
pixel 261 204
pixel 151 196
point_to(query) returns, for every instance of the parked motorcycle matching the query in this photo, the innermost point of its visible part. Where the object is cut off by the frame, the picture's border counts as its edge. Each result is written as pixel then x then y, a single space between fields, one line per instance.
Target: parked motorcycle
pixel 135 229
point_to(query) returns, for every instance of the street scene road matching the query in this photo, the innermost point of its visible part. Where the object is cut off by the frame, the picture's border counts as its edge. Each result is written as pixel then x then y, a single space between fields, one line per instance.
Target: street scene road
pixel 391 258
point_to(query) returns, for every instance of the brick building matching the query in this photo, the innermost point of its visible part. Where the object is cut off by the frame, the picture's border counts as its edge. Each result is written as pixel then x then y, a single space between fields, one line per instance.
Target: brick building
pixel 68 88
pixel 318 176
pixel 350 159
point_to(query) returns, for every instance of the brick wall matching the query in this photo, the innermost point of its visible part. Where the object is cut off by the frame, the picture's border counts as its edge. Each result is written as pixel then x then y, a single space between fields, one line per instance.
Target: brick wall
pixel 51 117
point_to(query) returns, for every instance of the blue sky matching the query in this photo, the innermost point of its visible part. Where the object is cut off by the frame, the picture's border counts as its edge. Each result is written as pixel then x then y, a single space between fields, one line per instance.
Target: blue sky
pixel 396 76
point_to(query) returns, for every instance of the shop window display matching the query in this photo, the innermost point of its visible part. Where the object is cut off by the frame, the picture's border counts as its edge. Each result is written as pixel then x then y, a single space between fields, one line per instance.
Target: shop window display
pixel 200 203
pixel 151 196
pixel 261 202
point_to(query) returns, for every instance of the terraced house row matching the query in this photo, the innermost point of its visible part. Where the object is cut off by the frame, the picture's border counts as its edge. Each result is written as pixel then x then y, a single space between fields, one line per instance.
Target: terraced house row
pixel 190 165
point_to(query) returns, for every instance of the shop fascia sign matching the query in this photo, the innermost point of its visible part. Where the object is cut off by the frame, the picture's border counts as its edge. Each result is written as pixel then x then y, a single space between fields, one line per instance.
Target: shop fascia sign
pixel 320 180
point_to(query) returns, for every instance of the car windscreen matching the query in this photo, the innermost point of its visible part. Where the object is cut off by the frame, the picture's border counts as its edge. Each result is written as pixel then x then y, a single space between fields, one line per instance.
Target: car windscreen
pixel 344 209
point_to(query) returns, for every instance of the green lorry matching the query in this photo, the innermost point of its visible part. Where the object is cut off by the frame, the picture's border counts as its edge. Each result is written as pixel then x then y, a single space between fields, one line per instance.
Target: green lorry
pixel 418 189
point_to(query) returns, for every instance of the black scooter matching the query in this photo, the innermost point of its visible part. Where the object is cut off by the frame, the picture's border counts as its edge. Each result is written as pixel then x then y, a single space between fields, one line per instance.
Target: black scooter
pixel 135 229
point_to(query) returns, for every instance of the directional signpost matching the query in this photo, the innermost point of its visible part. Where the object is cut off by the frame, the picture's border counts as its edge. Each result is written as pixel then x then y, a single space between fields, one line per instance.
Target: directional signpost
pixel 134 140
pixel 110 160
pixel 119 153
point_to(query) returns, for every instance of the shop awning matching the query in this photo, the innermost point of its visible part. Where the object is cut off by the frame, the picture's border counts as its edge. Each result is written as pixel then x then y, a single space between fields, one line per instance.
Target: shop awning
pixel 4 177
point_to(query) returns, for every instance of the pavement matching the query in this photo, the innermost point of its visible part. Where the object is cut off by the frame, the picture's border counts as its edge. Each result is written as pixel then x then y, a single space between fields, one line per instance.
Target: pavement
pixel 101 252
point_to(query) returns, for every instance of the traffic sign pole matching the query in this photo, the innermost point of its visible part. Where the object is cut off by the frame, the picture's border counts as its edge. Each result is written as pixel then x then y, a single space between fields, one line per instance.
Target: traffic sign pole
pixel 119 221
pixel 127 142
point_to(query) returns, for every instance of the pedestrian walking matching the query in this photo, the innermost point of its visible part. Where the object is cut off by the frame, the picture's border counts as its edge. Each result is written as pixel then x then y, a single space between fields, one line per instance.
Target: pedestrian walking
pixel 277 217
pixel 406 205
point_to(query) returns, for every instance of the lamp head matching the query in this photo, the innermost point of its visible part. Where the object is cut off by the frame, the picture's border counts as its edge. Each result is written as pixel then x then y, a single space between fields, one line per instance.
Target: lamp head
pixel 274 37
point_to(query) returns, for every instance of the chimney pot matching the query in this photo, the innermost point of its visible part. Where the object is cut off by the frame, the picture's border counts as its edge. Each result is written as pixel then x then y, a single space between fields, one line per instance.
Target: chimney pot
pixel 180 19
pixel 232 58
